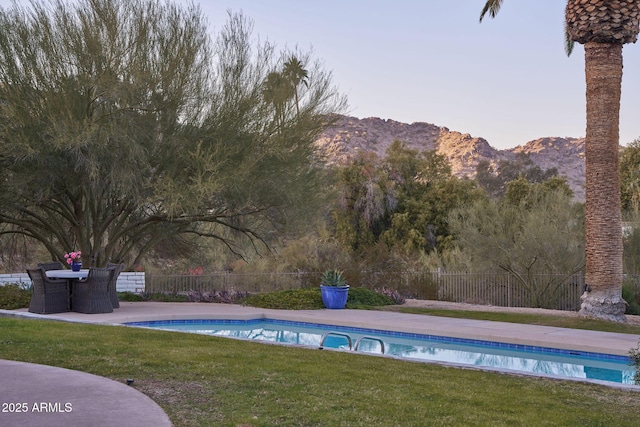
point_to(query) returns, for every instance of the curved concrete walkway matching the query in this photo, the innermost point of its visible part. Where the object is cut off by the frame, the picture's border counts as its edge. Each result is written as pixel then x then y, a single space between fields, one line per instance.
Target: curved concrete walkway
pixel 37 395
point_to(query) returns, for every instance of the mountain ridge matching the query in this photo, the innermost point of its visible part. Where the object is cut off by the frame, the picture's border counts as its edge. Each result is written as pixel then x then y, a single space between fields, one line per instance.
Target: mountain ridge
pixel 347 135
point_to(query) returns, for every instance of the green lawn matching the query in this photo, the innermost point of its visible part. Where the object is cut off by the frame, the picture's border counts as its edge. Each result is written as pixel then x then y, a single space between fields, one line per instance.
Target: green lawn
pixel 572 322
pixel 203 380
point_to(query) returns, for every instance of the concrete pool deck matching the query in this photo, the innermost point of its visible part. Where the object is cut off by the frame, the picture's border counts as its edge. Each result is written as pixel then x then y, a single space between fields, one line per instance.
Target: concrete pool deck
pixel 89 394
pixel 544 336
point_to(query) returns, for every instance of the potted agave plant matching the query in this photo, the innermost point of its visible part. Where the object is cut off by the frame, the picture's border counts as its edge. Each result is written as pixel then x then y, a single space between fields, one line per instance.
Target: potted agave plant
pixel 334 289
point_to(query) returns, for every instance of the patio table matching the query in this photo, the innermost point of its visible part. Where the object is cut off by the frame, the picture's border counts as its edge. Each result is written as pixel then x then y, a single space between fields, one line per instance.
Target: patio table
pixel 67 274
pixel 70 276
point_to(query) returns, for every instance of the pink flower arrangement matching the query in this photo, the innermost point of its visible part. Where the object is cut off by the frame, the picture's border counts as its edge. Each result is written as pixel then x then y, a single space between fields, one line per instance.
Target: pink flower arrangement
pixel 72 257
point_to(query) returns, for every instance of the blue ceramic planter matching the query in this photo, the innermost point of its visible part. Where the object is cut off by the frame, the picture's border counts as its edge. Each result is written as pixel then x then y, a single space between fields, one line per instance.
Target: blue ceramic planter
pixel 334 297
pixel 76 266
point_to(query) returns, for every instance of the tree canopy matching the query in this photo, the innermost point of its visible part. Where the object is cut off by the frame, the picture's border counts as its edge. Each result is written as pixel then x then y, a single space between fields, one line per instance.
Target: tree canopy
pixel 125 129
pixel 494 180
pixel 630 177
pixel 402 200
pixel 536 229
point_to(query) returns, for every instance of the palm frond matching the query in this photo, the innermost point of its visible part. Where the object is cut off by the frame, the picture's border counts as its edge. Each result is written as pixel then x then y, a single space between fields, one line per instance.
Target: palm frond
pixel 568 41
pixel 492 6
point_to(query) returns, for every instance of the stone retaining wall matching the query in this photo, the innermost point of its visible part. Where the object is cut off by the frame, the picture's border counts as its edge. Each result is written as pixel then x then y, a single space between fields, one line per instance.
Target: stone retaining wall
pixel 128 281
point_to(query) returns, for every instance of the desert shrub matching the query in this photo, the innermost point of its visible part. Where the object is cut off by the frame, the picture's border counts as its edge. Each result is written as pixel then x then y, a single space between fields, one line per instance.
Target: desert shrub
pixel 395 296
pixel 13 296
pixel 222 296
pixel 191 296
pixel 164 297
pixel 630 296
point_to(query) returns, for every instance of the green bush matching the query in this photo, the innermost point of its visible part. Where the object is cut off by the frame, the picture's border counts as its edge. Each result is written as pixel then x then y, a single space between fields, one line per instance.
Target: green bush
pixel 293 299
pixel 635 362
pixel 363 297
pixel 629 295
pixel 13 297
pixel 129 296
pixel 311 299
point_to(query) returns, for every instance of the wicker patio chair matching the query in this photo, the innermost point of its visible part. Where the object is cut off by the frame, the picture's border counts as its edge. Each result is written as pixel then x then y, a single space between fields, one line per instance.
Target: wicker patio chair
pixel 55 265
pixel 92 294
pixel 48 295
pixel 113 291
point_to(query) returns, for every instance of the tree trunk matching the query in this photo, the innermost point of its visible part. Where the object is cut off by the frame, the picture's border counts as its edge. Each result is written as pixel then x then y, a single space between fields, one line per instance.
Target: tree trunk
pixel 603 295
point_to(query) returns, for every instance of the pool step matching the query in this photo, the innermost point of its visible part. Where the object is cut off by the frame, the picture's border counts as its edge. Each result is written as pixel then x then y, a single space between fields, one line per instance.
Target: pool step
pixel 339 334
pixel 350 341
pixel 359 340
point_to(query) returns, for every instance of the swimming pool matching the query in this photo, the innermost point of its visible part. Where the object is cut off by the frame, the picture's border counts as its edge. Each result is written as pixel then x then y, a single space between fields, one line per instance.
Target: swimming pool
pixel 459 351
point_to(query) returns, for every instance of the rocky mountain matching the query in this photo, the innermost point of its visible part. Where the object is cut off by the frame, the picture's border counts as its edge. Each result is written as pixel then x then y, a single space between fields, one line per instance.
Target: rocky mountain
pixel 350 134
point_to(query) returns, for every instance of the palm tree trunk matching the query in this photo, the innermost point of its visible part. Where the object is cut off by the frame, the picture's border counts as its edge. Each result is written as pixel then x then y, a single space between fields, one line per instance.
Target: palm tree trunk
pixel 602 298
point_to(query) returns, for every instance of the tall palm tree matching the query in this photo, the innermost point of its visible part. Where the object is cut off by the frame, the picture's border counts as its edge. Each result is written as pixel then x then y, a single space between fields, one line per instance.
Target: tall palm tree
pixel 276 90
pixel 602 26
pixel 295 72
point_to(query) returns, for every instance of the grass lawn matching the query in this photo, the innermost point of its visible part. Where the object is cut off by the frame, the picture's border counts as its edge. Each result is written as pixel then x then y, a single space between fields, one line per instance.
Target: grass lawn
pixel 211 381
pixel 571 322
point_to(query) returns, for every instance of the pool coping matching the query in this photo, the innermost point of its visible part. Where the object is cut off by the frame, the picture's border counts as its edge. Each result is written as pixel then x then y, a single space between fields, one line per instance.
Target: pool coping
pixel 342 330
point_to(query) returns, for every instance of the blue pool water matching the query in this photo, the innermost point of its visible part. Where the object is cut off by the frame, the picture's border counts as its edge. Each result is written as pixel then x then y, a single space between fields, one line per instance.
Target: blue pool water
pixel 479 353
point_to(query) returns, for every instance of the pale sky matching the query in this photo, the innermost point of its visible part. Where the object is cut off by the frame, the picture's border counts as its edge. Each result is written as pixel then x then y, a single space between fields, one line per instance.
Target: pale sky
pixel 507 80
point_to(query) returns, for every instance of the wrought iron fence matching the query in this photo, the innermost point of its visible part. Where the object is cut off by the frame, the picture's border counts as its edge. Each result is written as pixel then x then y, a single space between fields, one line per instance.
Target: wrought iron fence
pixel 259 282
pixel 561 292
pixel 415 284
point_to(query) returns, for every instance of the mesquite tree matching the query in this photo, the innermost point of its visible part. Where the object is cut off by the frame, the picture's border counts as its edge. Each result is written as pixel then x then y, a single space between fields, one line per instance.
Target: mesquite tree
pixel 125 129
